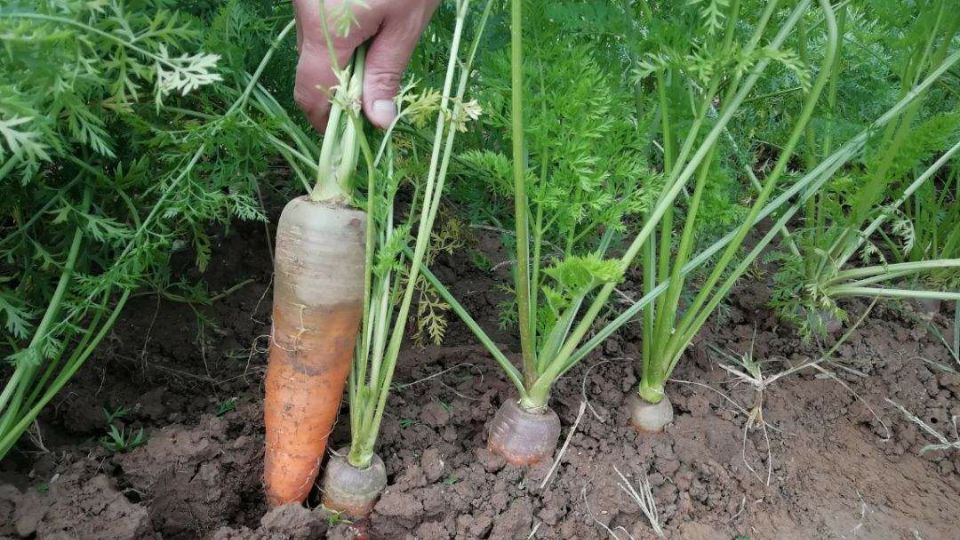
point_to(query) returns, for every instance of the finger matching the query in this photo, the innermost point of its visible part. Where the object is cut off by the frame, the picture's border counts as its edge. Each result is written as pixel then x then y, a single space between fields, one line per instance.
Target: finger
pixel 315 78
pixel 387 59
pixel 315 75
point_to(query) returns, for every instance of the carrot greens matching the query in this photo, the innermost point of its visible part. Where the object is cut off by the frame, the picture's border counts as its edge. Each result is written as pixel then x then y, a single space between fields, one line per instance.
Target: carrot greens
pixel 392 282
pixel 862 214
pixel 106 113
pixel 697 90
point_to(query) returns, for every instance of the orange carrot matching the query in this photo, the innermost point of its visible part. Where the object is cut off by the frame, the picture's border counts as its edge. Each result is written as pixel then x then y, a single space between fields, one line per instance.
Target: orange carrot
pixel 317 307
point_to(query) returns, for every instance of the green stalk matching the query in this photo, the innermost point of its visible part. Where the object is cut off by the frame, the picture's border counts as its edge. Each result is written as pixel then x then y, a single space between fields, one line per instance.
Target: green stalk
pixel 885 269
pixel 868 231
pixel 538 230
pixel 696 316
pixel 512 373
pixel 785 156
pixel 522 284
pixel 666 200
pixel 561 329
pixel 9 437
pixel 832 89
pixel 881 277
pixel 667 317
pixel 241 102
pixel 374 401
pixel 369 348
pixel 734 89
pixel 649 282
pixel 893 293
pixel 820 217
pixel 339 151
pixel 662 258
pixel 810 183
pixel 88 337
pixel 810 212
pixel 360 456
pixel 23 374
pixel 728 284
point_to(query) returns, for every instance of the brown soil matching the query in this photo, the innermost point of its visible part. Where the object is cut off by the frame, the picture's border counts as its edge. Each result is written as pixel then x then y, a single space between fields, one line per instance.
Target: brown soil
pixel 836 459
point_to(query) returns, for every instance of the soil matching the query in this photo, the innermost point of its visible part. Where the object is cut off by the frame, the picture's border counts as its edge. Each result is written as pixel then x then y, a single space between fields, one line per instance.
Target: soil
pixel 821 453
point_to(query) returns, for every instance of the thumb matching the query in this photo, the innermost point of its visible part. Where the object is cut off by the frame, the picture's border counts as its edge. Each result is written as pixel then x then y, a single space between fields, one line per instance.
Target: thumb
pixel 387 58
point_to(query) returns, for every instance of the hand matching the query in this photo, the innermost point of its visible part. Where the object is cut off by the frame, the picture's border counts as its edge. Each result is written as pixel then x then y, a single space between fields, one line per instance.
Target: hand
pixel 394 26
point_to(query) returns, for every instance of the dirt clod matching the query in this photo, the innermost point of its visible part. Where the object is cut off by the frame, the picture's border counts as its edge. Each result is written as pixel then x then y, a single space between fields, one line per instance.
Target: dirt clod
pixel 294 522
pixel 78 508
pixel 399 505
pixel 516 522
pixel 195 475
pixel 435 415
pixel 432 464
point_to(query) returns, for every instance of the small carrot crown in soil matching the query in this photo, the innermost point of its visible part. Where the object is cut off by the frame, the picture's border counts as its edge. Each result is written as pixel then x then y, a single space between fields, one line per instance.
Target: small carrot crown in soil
pixel 364 262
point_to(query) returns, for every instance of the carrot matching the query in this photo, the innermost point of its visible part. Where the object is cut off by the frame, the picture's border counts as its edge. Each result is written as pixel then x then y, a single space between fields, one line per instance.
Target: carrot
pixel 350 490
pixel 523 437
pixel 317 307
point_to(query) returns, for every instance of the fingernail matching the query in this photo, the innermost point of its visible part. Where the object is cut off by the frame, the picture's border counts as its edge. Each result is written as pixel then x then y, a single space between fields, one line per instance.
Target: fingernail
pixel 383 112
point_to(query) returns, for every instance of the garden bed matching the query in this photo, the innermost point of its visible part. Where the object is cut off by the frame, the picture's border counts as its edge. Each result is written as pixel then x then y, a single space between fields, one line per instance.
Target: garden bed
pixel 197 390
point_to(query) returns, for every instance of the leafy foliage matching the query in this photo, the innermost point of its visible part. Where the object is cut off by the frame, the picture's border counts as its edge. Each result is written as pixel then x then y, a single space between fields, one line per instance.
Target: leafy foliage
pixel 575 277
pixel 883 60
pixel 587 172
pixel 120 440
pixel 108 115
pixel 586 162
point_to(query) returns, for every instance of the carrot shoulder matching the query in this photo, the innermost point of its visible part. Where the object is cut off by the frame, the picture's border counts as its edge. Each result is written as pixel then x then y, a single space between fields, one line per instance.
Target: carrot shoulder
pixel 317 307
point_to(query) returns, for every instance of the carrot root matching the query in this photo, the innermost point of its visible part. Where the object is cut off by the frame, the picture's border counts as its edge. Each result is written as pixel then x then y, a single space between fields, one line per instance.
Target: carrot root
pixel 523 437
pixel 318 303
pixel 646 417
pixel 352 491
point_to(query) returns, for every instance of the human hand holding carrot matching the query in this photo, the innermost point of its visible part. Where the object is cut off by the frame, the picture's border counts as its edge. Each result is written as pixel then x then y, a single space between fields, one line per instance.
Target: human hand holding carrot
pixel 393 28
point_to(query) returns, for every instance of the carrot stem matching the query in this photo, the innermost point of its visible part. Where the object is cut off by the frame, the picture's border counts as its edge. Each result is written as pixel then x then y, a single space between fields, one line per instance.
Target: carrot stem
pixel 391 293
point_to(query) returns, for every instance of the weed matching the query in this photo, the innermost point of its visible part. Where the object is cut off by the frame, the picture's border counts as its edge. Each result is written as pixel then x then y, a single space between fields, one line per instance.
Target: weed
pixel 118 413
pixel 120 440
pixel 451 480
pixel 226 406
pixel 480 261
pixel 336 518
